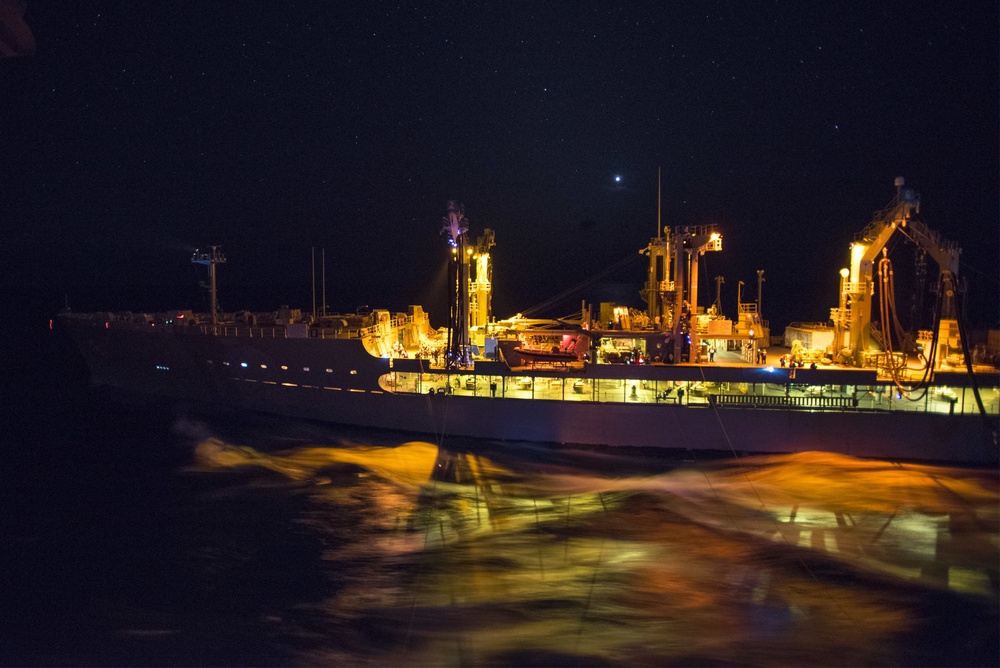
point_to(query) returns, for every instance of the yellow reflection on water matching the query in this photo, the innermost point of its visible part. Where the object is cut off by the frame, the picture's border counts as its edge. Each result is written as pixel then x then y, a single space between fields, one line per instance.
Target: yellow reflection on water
pixel 407 464
pixel 450 558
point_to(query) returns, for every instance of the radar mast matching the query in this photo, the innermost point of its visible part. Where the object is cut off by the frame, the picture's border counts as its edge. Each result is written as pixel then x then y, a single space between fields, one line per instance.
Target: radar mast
pixel 211 259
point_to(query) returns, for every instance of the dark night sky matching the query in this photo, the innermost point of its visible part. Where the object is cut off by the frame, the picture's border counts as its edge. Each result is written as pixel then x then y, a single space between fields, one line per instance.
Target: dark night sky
pixel 141 130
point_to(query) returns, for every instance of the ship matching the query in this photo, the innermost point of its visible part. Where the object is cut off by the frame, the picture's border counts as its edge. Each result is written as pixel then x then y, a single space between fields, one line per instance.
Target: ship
pixel 674 375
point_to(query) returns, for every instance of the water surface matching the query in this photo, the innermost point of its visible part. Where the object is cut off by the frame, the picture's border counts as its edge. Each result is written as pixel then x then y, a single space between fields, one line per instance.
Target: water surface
pixel 150 535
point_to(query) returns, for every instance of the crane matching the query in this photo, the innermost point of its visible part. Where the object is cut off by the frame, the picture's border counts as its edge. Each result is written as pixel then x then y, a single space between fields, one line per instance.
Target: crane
pixel 852 318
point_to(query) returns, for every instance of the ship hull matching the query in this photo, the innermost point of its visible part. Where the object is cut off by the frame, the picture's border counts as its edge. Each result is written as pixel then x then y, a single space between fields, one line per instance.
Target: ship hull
pixel 338 381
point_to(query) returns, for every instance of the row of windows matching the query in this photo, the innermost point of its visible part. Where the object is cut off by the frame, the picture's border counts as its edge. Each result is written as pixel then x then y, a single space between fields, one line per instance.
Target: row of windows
pixel 832 397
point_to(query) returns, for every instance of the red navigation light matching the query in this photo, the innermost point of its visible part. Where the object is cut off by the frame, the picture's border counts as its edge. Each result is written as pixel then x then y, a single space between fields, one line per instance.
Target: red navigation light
pixel 50 323
pixel 106 325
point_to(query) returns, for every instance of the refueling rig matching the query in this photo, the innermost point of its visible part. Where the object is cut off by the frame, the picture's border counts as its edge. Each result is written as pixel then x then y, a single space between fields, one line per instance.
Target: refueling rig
pixel 854 332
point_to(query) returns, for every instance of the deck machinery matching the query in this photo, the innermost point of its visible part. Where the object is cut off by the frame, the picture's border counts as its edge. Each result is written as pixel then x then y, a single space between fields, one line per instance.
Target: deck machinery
pixel 852 319
pixel 671 290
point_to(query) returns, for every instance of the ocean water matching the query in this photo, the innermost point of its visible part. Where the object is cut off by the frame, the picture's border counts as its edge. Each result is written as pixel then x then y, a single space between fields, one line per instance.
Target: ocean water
pixel 154 533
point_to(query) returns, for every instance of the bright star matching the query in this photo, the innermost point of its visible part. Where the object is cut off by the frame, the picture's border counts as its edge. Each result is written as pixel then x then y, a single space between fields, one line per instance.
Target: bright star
pixel 618 179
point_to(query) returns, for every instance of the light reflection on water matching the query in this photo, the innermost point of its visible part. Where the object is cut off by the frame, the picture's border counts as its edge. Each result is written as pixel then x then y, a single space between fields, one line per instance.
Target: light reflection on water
pixel 509 556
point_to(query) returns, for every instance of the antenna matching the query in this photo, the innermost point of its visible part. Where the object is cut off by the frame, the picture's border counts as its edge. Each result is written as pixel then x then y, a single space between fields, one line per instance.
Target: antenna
pixel 719 282
pixel 659 203
pixel 760 289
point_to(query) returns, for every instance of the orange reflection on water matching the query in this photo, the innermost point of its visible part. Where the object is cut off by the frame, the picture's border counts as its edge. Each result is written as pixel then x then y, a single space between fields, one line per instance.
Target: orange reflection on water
pixel 839 483
pixel 810 558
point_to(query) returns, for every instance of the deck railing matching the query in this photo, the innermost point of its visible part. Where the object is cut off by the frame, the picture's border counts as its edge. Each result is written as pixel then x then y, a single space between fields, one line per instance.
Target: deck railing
pixel 244 331
pixel 763 401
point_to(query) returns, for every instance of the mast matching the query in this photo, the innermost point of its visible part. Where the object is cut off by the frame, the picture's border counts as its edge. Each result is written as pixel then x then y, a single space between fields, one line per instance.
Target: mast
pixel 456 225
pixel 660 260
pixel 211 259
pixel 719 282
pixel 659 203
pixel 760 289
pixel 679 262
